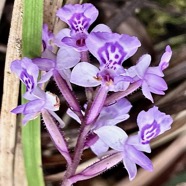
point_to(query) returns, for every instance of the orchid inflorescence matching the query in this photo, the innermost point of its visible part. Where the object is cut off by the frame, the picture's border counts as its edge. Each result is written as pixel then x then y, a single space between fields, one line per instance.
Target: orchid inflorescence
pixel 106 86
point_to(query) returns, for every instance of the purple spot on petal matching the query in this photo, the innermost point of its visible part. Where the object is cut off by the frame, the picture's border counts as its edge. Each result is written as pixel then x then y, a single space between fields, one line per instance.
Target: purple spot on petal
pixel 149 132
pixel 28 80
pixel 111 53
pixel 44 45
pixel 79 22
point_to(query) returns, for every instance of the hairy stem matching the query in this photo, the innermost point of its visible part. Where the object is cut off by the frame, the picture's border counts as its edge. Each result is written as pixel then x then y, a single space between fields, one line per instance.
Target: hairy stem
pixel 67 94
pixel 90 117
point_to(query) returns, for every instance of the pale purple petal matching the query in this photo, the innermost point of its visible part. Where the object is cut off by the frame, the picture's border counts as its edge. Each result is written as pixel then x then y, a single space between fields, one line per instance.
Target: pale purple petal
pixel 155 70
pixel 33 106
pixel 136 142
pixel 73 115
pixel 143 65
pixel 84 74
pixel 146 91
pixel 164 63
pixel 78 17
pixel 60 35
pixel 130 45
pixel 46 77
pixel 67 57
pixel 51 102
pixel 65 74
pixel 111 47
pixel 101 28
pixel 19 109
pixel 145 118
pixel 99 147
pixel 138 157
pixel 156 82
pixel 29 117
pixel 165 123
pixel 48 54
pixel 131 168
pixel 44 64
pixel 57 118
pixel 112 136
pixel 113 114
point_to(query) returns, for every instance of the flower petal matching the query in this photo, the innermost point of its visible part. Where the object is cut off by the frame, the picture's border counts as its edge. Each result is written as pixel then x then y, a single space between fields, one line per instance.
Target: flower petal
pixel 99 147
pixel 60 35
pixel 139 158
pixel 164 63
pixel 131 168
pixel 33 106
pixel 113 136
pixel 146 91
pixel 142 65
pixel 44 64
pixel 67 57
pixel 101 28
pixel 84 74
pixel 135 141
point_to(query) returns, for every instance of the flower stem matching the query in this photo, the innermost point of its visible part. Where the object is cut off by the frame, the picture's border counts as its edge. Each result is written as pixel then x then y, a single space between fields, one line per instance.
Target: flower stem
pixel 91 115
pixel 77 155
pixel 67 94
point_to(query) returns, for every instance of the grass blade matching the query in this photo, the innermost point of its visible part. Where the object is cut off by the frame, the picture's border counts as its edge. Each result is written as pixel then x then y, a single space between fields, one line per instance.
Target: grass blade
pixel 31 133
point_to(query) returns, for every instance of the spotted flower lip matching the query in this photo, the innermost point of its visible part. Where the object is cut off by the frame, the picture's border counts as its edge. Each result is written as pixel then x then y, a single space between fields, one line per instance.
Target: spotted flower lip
pixel 152 123
pixel 111 48
pixel 78 17
pixel 28 74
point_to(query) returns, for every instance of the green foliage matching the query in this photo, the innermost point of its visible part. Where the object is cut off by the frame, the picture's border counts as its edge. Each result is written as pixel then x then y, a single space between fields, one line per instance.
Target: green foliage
pixel 31 134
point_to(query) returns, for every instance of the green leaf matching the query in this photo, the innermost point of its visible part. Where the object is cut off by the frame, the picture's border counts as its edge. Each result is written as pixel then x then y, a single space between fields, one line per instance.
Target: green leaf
pixel 31 133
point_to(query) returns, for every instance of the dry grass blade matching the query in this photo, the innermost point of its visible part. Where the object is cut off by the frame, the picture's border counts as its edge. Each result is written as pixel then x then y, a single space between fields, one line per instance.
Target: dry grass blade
pixel 8 128
pixel 2 4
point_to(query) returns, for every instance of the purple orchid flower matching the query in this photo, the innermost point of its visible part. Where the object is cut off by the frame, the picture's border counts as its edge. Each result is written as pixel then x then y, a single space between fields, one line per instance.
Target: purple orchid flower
pixel 28 74
pixel 118 140
pixel 111 50
pixel 152 123
pixel 33 108
pixel 79 18
pixel 109 116
pixel 151 77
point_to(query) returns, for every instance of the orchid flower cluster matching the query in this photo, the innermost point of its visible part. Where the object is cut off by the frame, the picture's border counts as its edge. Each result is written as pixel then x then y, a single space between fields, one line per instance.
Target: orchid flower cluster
pixel 106 83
